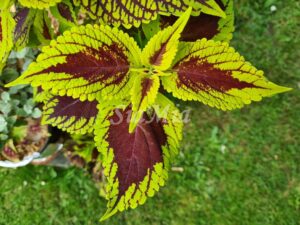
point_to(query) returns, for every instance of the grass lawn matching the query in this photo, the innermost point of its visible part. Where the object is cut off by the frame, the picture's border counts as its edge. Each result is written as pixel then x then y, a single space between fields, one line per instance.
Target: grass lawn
pixel 240 167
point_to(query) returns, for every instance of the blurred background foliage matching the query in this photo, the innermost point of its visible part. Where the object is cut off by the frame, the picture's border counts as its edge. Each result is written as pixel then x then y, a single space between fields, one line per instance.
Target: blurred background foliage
pixel 240 167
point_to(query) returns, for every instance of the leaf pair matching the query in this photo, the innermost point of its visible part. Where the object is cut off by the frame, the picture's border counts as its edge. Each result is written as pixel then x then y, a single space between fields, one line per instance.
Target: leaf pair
pixel 93 77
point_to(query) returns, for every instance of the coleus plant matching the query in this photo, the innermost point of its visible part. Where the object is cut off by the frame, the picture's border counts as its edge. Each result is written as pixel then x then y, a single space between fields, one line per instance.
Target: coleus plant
pixel 96 79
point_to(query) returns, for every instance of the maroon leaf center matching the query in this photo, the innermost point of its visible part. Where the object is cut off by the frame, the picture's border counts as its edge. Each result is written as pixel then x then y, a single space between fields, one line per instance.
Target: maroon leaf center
pixel 21 24
pixel 95 65
pixel 202 76
pixel 69 107
pixel 135 153
pixel 202 26
pixel 64 11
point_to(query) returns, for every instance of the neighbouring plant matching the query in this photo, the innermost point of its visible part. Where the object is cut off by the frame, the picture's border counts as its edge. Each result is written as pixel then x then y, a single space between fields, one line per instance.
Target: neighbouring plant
pixel 98 79
pixel 18 111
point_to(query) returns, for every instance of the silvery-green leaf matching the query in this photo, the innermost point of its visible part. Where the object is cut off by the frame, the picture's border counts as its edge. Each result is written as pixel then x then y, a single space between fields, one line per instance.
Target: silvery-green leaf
pixel 21 112
pixel 3 123
pixel 3 137
pixel 15 89
pixel 36 113
pixel 5 96
pixel 28 108
pixel 5 107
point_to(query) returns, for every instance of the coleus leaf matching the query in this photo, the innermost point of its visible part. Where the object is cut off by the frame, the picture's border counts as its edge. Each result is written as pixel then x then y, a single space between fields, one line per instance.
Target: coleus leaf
pixel 38 4
pixel 206 26
pixel 136 164
pixel 162 48
pixel 41 96
pixel 42 27
pixel 87 62
pixel 213 73
pixel 5 4
pixel 7 25
pixel 69 114
pixel 208 7
pixel 24 20
pixel 65 13
pixel 134 13
pixel 143 95
pixel 225 25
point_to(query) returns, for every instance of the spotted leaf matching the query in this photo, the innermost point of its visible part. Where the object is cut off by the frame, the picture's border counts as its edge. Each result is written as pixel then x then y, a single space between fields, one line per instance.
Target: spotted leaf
pixel 132 12
pixel 143 95
pixel 69 114
pixel 87 62
pixel 38 4
pixel 42 27
pixel 206 26
pixel 7 25
pixel 213 73
pixel 161 49
pixel 24 20
pixel 136 164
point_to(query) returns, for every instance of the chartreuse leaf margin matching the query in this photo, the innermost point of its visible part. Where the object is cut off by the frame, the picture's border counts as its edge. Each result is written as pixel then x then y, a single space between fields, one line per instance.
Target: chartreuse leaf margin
pixel 137 163
pixel 96 79
pixel 38 4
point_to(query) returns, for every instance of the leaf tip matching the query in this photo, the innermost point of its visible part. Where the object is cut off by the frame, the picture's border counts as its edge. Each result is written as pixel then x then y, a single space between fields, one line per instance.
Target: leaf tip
pixel 109 213
pixel 14 83
pixel 282 89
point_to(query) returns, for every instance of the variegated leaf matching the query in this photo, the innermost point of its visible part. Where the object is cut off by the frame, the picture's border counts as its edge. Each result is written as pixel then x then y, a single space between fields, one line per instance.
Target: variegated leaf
pixel 64 12
pixel 206 26
pixel 24 20
pixel 209 7
pixel 162 48
pixel 87 62
pixel 136 164
pixel 41 96
pixel 132 12
pixel 68 114
pixel 143 95
pixel 7 25
pixel 38 4
pixel 225 25
pixel 42 27
pixel 213 73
